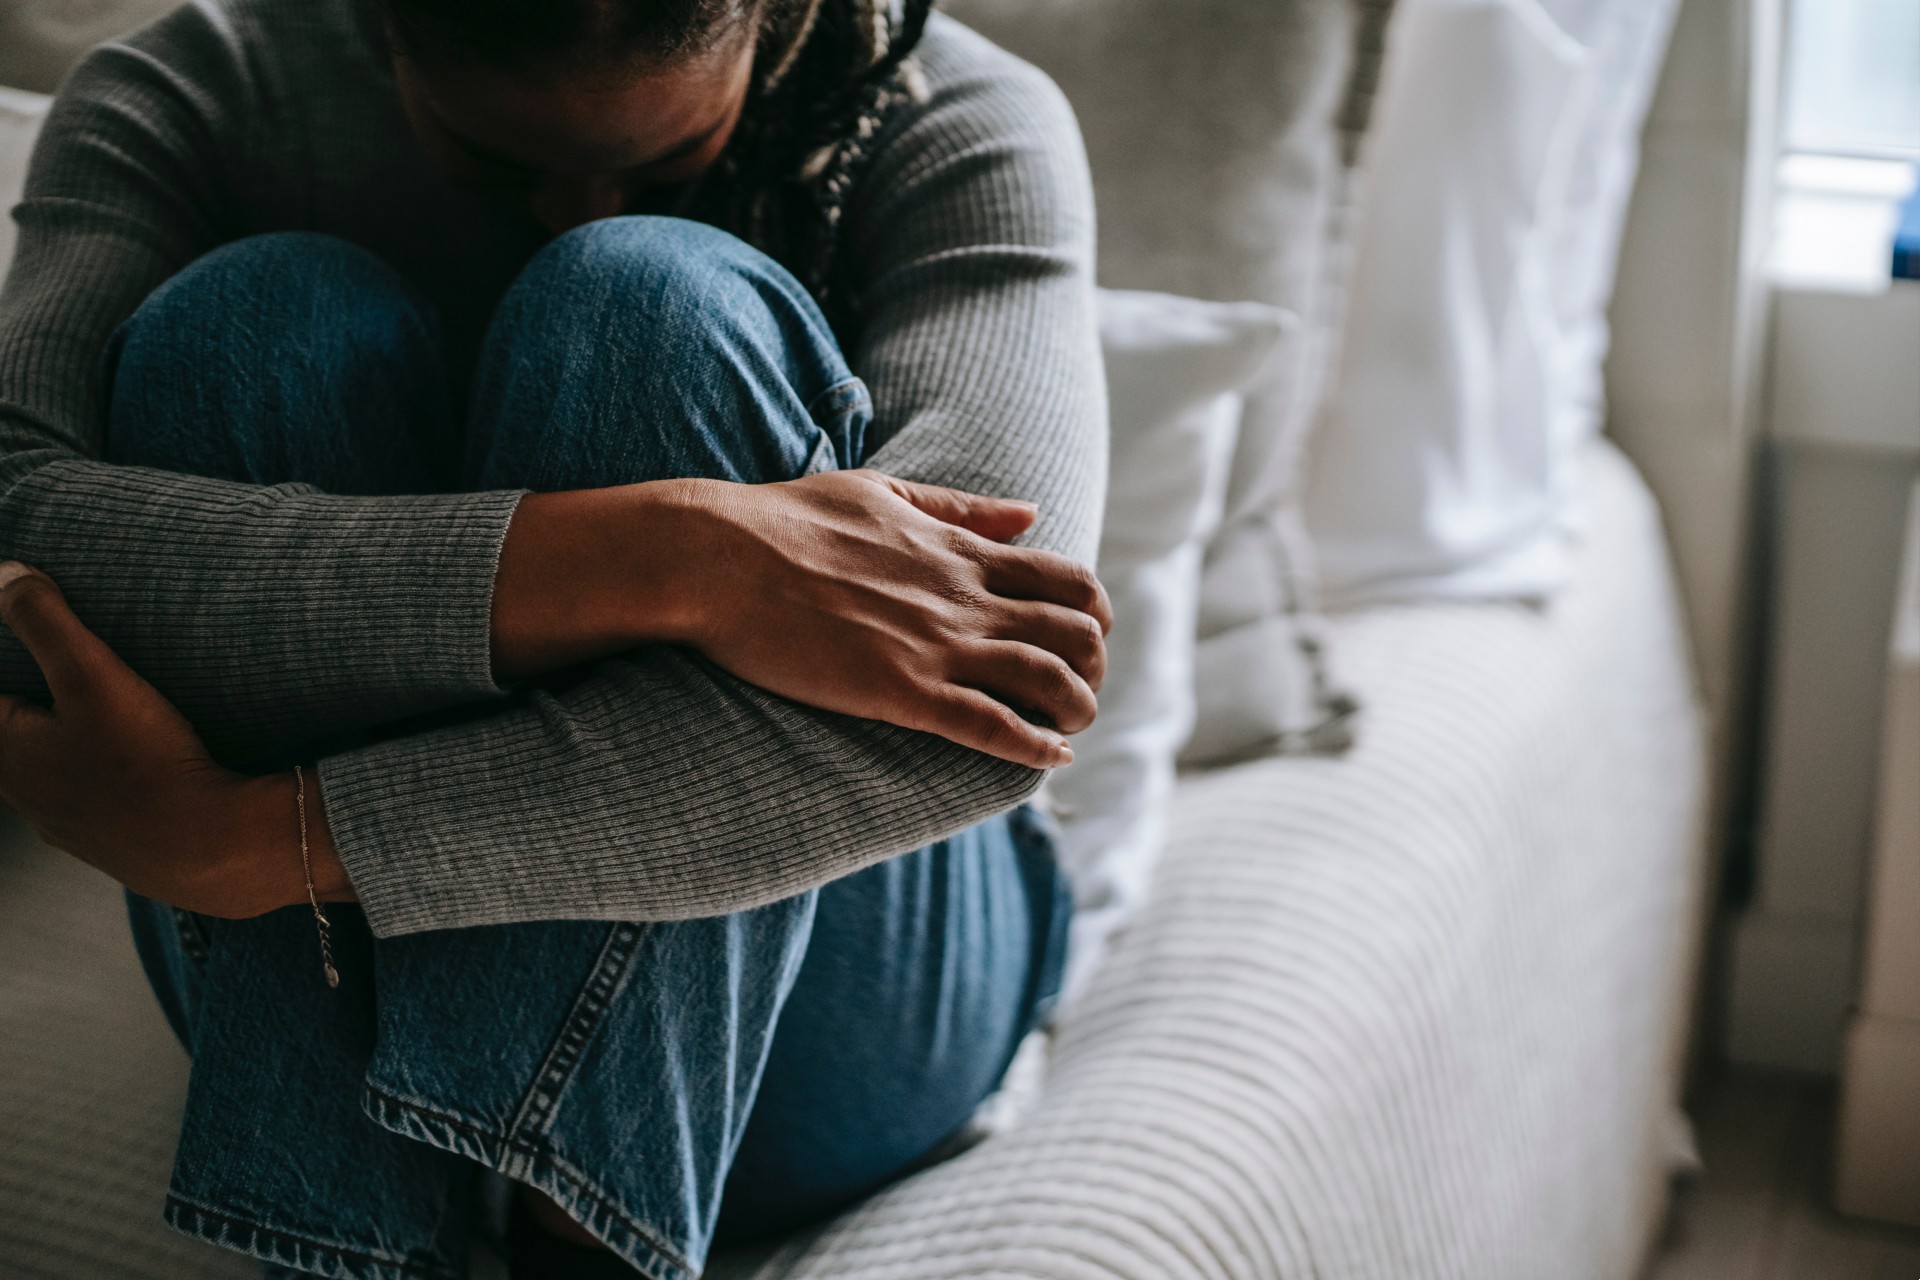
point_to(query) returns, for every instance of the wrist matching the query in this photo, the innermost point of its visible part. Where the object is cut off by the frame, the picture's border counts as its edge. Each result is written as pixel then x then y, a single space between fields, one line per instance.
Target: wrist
pixel 259 867
pixel 669 538
pixel 593 572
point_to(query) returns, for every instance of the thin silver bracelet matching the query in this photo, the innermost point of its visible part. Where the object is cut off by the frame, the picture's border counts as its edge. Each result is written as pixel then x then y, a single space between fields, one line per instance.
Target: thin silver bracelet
pixel 320 922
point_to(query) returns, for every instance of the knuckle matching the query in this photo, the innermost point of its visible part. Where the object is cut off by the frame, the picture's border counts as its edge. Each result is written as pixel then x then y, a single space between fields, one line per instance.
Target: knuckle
pixel 991 735
pixel 1087 585
pixel 1003 726
pixel 1076 582
pixel 967 608
pixel 1056 684
pixel 1092 641
pixel 968 546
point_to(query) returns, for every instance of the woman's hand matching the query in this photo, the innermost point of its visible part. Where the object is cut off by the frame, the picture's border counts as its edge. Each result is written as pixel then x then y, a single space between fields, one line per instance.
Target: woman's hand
pixel 851 591
pixel 114 775
pixel 902 602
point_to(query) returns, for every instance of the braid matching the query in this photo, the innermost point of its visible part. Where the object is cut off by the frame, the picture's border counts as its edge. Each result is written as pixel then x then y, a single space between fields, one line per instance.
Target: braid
pixel 833 74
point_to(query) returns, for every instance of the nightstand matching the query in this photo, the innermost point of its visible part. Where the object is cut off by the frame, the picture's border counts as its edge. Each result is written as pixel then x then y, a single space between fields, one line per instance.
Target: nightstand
pixel 1877 1174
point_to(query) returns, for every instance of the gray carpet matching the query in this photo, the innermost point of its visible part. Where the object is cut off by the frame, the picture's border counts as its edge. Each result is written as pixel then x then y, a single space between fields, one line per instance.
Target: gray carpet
pixel 90 1085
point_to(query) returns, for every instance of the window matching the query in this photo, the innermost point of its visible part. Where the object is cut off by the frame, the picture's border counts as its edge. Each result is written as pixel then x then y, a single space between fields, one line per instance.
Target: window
pixel 1853 78
pixel 1850 140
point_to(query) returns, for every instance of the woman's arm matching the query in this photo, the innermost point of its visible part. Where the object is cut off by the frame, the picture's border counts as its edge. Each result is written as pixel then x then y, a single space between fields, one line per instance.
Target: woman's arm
pixel 269 615
pixel 662 787
pixel 278 617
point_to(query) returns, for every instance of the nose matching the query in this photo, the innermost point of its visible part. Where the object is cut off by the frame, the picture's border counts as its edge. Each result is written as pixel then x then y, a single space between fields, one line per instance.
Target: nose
pixel 561 204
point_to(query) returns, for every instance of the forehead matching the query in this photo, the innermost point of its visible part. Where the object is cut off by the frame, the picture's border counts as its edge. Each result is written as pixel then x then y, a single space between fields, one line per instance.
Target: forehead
pixel 586 119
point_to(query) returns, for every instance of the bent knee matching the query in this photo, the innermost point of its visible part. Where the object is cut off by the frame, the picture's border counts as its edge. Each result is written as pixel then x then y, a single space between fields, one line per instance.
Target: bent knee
pixel 278 276
pixel 679 278
pixel 638 248
pixel 670 346
pixel 288 295
pixel 294 327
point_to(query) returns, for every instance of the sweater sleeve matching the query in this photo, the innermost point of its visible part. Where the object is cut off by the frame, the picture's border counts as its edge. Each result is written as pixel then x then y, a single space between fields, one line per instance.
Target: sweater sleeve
pixel 660 787
pixel 269 615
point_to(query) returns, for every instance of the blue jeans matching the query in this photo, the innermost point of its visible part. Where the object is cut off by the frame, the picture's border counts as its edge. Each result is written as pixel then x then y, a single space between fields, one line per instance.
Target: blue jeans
pixel 671 1086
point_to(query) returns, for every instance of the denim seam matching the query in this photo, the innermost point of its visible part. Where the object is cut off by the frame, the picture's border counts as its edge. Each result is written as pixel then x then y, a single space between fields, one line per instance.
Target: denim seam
pixel 536 1165
pixel 522 1152
pixel 287 1249
pixel 193 938
pixel 542 1103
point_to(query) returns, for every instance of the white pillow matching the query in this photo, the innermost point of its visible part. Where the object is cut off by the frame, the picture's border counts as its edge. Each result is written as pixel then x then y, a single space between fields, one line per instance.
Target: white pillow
pixel 20 117
pixel 40 40
pixel 1468 384
pixel 1174 366
pixel 1626 42
pixel 1430 471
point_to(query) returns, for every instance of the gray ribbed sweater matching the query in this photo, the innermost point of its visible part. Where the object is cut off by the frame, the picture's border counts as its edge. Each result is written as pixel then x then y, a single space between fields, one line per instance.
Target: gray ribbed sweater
pixel 658 787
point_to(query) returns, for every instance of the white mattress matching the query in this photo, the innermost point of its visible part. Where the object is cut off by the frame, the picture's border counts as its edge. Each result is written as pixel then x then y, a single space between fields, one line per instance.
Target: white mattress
pixel 1414 1013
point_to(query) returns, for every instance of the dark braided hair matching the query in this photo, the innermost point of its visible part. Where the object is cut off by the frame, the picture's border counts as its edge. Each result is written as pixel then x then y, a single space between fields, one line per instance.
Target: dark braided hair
pixel 829 76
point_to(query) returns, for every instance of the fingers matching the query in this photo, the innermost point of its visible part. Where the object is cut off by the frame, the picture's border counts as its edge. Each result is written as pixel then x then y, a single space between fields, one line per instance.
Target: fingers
pixel 1032 680
pixel 973 719
pixel 1073 635
pixel 1022 573
pixel 70 656
pixel 996 519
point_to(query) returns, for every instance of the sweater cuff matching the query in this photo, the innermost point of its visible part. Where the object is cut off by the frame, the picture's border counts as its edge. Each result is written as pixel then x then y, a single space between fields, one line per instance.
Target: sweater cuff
pixel 433 596
pixel 364 840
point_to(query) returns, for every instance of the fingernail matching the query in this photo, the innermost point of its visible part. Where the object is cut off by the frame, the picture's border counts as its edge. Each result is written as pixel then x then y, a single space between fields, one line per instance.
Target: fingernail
pixel 1063 754
pixel 11 572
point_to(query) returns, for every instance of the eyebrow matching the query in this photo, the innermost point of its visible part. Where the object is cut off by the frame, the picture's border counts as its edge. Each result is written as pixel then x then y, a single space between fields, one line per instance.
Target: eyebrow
pixel 678 151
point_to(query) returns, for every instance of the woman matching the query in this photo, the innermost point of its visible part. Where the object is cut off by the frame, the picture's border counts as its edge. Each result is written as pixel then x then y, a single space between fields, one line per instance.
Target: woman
pixel 397 386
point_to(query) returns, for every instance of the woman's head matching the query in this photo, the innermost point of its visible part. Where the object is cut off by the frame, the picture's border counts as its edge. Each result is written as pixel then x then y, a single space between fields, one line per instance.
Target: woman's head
pixel 581 109
pixel 577 109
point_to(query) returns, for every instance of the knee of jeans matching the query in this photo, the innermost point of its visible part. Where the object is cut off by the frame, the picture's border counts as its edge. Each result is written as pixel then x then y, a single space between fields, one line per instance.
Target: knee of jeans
pixel 684 284
pixel 287 318
pixel 283 294
pixel 668 272
pixel 281 279
pixel 650 255
pixel 679 313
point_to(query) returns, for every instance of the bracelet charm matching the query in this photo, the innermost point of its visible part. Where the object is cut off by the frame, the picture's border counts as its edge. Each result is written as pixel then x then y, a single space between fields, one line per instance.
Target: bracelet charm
pixel 321 924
